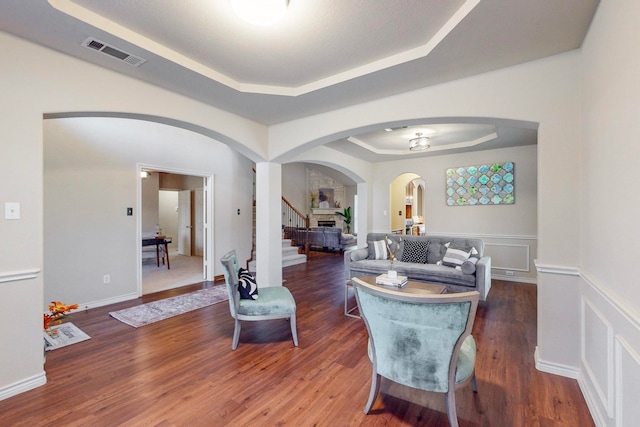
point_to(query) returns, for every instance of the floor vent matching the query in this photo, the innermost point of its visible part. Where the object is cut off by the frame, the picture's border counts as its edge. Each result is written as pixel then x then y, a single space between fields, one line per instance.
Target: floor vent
pixel 99 46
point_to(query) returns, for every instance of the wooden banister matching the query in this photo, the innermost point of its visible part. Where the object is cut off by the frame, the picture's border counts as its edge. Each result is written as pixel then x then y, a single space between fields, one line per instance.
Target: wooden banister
pixel 292 217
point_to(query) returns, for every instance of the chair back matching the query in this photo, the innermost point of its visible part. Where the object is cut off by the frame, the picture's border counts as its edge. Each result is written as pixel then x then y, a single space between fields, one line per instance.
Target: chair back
pixel 415 339
pixel 231 267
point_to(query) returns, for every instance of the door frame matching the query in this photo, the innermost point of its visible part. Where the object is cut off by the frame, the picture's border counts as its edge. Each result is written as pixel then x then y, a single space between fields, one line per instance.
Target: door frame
pixel 208 218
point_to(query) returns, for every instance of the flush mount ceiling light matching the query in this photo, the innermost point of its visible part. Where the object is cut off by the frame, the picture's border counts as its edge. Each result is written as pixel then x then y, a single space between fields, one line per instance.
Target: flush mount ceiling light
pixel 260 12
pixel 419 143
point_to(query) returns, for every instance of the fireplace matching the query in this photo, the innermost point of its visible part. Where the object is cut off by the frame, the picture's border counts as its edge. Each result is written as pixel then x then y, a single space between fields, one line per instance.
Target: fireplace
pixel 326 223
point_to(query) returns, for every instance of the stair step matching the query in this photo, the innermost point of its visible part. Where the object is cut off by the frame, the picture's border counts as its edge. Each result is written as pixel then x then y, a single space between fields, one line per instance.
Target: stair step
pixel 290 250
pixel 294 260
pixel 290 256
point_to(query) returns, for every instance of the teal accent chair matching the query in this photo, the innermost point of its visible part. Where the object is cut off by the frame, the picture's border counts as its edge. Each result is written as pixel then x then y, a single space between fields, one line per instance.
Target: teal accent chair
pixel 420 340
pixel 274 302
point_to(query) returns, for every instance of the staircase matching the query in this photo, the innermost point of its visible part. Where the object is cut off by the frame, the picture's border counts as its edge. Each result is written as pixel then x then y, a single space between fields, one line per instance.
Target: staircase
pixel 290 256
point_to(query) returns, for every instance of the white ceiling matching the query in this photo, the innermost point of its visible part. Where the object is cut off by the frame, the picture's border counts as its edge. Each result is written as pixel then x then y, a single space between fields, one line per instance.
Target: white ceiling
pixel 324 55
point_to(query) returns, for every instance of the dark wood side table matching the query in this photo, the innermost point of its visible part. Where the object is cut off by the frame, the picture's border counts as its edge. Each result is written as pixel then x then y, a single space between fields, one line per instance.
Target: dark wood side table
pixel 157 241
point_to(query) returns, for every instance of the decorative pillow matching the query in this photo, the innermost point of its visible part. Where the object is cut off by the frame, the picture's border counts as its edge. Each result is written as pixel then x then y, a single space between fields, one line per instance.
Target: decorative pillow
pixel 415 251
pixel 469 266
pixel 247 285
pixel 455 255
pixel 378 250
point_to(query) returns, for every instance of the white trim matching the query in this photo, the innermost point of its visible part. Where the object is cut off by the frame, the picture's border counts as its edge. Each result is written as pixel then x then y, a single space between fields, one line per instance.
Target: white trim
pixel 621 343
pixel 621 307
pixel 208 231
pixel 555 368
pixel 23 385
pixel 519 279
pixel 594 409
pixel 14 276
pixel 605 396
pixel 108 301
pixel 556 269
pixel 481 236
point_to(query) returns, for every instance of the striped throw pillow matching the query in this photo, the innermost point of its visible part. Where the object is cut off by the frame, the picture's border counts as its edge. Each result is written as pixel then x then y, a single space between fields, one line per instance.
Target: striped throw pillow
pixel 455 256
pixel 378 250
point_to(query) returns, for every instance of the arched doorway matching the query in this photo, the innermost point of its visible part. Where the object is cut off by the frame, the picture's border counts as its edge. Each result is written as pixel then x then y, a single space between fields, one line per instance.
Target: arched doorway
pixel 407 204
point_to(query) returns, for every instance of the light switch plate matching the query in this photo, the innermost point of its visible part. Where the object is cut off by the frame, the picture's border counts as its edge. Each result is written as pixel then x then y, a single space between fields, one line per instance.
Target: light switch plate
pixel 12 210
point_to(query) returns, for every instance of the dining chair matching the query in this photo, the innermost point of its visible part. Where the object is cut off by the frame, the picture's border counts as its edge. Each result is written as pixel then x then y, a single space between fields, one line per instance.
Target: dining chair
pixel 422 341
pixel 273 302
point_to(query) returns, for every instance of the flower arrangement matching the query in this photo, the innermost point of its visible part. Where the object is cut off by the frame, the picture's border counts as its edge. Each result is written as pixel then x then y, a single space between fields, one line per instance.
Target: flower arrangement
pixel 57 312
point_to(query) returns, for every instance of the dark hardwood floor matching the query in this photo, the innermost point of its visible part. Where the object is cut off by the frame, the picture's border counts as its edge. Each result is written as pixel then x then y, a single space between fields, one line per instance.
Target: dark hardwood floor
pixel 182 371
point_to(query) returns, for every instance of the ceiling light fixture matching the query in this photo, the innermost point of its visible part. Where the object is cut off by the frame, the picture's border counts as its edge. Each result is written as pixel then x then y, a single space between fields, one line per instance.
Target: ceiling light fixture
pixel 260 12
pixel 419 143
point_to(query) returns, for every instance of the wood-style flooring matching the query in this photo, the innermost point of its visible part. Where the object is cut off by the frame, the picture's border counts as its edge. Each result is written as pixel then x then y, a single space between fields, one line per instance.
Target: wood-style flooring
pixel 182 371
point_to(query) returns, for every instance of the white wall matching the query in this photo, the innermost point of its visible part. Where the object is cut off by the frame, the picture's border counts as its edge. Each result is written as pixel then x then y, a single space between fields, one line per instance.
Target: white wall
pixel 40 82
pixel 88 188
pixel 509 231
pixel 294 186
pixel 546 92
pixel 610 208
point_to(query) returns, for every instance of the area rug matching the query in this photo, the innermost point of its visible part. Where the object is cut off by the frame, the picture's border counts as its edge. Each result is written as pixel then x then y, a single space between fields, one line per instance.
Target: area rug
pixel 68 334
pixel 155 311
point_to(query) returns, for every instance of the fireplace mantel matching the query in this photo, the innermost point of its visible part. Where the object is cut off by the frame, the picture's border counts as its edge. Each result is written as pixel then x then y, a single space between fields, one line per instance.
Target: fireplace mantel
pixel 319 211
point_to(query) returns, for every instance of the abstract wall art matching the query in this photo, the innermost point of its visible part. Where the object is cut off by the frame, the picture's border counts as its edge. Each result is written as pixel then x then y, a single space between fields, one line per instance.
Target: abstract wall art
pixel 489 184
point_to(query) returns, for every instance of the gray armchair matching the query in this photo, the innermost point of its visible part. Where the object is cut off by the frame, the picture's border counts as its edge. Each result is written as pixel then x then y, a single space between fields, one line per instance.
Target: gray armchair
pixel 419 340
pixel 275 302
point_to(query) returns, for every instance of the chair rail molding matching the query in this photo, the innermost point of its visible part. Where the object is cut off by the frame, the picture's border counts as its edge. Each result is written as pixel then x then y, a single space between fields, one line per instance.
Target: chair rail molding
pixel 14 276
pixel 556 269
pixel 628 313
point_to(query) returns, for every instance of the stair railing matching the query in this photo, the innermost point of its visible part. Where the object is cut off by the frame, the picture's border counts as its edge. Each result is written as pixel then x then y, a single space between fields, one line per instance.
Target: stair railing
pixel 292 217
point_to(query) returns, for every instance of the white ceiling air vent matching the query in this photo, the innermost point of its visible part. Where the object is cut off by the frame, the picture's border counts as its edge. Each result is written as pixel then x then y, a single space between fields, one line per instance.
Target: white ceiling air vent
pixel 94 44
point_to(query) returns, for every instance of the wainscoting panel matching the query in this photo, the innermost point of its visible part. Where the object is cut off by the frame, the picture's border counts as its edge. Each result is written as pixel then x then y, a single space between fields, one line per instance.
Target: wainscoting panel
pixel 627 384
pixel 597 353
pixel 512 257
pixel 508 256
pixel 610 355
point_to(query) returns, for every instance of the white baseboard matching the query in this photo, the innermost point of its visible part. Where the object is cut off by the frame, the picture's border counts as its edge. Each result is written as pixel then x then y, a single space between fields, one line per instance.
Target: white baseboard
pixel 555 368
pixel 107 301
pixel 23 385
pixel 520 279
pixel 589 399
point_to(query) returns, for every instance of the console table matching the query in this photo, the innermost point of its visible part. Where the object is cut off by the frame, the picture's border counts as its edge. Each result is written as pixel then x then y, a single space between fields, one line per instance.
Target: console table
pixel 157 241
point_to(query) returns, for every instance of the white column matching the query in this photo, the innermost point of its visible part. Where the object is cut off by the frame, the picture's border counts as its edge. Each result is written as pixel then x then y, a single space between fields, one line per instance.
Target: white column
pixel 268 224
pixel 363 213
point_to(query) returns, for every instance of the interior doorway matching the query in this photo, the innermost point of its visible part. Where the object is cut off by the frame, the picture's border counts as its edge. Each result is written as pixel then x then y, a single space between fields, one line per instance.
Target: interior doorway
pixel 173 207
pixel 408 204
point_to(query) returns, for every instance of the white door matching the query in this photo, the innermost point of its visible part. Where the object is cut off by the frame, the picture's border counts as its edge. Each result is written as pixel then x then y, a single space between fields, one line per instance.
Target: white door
pixel 184 219
pixel 199 222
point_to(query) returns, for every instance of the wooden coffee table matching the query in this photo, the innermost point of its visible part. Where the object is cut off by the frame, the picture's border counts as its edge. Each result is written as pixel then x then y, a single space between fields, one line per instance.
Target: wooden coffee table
pixel 412 287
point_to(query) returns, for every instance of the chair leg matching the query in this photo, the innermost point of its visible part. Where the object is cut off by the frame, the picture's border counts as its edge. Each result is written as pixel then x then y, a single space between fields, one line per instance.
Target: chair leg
pixel 294 330
pixel 375 387
pixel 451 407
pixel 236 335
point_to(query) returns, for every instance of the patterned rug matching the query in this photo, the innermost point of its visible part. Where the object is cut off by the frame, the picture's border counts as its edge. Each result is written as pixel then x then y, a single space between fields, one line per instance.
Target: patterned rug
pixel 155 311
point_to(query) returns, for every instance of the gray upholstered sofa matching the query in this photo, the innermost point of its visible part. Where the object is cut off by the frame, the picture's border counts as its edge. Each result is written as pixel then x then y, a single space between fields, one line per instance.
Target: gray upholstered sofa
pixel 473 274
pixel 322 237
